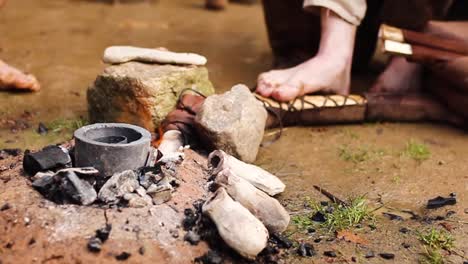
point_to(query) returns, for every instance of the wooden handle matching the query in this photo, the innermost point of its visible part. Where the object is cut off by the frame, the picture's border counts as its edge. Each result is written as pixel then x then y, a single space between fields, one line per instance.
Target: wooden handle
pixel 422 39
pixel 418 53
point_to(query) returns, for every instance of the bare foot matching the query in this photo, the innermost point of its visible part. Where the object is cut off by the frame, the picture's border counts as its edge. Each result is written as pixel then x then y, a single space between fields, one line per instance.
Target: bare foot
pixel 12 78
pixel 399 77
pixel 329 71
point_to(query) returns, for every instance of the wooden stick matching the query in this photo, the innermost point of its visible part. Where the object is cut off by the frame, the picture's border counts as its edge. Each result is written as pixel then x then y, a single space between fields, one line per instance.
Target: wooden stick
pixel 330 196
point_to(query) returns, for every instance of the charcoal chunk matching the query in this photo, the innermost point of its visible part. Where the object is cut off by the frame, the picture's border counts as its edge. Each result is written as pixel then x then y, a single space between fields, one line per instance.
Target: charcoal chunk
pixel 281 241
pixel 318 217
pixel 393 216
pixel 123 256
pixel 331 254
pixel 306 250
pixel 103 233
pixel 440 201
pixel 94 244
pixel 211 257
pixel 387 255
pixel 49 158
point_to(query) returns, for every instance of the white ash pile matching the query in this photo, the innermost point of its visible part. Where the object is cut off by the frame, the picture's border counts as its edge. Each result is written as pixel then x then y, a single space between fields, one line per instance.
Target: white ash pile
pixel 57 179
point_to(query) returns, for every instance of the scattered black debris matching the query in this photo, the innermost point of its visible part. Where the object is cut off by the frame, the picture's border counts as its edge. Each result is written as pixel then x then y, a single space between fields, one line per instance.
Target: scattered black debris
pixel 318 240
pixel 353 259
pixel 387 255
pixel 431 219
pixel 318 217
pixel 324 203
pixel 331 254
pixel 370 254
pixel 311 230
pixel 94 244
pixel 192 237
pixel 5 207
pixel 440 201
pixel 141 250
pixel 103 233
pixel 414 216
pixel 281 241
pixel 211 257
pixel 450 213
pixel 393 216
pixel 405 245
pixel 9 245
pixel 404 230
pixel 42 129
pixel 465 262
pixel 32 241
pixel 174 233
pixel 190 219
pixel 49 158
pixel 123 256
pixel 306 250
pixel 5 153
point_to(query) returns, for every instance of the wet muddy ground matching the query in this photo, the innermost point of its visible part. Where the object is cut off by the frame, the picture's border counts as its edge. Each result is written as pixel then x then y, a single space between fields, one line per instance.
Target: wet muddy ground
pixel 61 42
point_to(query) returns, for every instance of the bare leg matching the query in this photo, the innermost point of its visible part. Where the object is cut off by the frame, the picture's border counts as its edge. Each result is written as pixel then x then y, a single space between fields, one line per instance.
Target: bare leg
pixel 12 78
pixel 329 71
pixel 400 77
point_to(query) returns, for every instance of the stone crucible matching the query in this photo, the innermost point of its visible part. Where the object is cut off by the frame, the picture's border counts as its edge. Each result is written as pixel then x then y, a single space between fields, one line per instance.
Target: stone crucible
pixel 112 147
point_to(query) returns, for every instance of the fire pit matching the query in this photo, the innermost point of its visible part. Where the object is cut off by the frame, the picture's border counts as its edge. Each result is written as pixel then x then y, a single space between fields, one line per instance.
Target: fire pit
pixel 111 147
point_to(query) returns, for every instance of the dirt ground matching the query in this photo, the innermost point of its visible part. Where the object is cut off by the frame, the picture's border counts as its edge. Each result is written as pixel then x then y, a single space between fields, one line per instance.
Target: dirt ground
pixel 62 42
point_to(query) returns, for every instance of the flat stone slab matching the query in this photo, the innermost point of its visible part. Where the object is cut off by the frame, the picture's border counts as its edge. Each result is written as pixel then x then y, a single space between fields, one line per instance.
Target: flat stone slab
pixel 142 94
pixel 121 54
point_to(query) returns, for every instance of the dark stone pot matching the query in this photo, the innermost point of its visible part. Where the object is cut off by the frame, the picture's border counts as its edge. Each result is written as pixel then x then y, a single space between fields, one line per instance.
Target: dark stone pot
pixel 111 147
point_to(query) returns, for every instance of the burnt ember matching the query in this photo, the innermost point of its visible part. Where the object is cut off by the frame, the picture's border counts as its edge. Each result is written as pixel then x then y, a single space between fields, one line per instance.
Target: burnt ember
pixel 103 233
pixel 211 257
pixel 440 201
pixel 306 250
pixel 123 256
pixel 49 158
pixel 387 255
pixel 94 244
pixel 5 153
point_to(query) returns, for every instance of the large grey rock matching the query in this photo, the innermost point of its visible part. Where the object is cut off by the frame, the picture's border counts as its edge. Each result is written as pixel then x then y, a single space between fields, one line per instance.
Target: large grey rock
pixel 233 122
pixel 118 185
pixel 142 94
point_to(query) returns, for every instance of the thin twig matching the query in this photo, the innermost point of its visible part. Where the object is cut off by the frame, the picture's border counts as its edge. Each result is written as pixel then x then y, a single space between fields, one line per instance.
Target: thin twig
pixel 330 196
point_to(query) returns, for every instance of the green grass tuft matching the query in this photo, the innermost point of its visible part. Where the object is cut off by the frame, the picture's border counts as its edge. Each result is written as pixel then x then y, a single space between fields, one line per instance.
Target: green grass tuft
pixel 437 239
pixel 338 217
pixel 66 125
pixel 359 154
pixel 434 241
pixel 431 256
pixel 417 151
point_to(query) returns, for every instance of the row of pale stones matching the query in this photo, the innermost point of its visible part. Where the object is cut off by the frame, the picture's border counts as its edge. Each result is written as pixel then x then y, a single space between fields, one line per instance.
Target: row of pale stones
pixel 143 94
